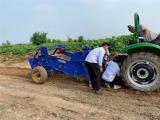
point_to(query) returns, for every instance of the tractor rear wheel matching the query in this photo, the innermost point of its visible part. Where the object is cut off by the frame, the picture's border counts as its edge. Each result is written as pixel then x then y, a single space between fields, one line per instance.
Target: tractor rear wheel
pixel 39 75
pixel 141 71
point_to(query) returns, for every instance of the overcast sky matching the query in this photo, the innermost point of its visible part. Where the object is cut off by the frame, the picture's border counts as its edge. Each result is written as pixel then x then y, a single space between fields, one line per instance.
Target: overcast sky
pixel 62 18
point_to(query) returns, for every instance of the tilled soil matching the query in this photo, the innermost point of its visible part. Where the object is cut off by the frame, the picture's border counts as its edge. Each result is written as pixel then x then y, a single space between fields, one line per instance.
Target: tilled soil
pixel 64 98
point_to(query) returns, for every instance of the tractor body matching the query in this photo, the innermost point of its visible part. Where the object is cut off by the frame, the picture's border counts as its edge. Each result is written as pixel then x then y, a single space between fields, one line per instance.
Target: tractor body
pixel 141 69
pixel 142 47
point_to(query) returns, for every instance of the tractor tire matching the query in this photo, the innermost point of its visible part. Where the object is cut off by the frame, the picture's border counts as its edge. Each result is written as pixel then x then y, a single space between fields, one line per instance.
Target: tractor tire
pixel 39 75
pixel 141 71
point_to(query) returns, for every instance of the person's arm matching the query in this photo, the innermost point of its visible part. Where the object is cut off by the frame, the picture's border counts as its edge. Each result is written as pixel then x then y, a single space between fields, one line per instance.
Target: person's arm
pixel 107 52
pixel 100 59
pixel 144 30
pixel 118 72
pixel 106 55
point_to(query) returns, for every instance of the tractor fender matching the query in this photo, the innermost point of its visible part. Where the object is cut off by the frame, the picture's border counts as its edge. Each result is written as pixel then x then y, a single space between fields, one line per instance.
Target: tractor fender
pixel 142 47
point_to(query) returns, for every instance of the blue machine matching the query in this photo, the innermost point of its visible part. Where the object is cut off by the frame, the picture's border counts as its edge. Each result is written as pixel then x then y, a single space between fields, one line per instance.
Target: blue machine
pixel 47 59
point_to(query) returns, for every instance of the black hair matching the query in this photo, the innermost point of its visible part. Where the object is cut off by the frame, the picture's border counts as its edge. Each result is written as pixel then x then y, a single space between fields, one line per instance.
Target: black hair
pixel 130 26
pixel 119 58
pixel 116 60
pixel 105 43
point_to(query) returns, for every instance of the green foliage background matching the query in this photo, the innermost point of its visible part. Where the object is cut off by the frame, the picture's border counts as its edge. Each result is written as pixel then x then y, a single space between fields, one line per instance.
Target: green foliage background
pixel 117 43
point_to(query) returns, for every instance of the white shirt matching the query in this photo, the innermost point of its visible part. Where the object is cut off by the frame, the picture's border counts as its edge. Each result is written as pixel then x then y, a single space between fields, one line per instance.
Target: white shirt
pixel 96 56
pixel 111 71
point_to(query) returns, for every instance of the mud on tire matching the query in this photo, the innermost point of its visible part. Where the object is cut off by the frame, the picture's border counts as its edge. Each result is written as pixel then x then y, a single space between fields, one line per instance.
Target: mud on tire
pixel 39 75
pixel 141 71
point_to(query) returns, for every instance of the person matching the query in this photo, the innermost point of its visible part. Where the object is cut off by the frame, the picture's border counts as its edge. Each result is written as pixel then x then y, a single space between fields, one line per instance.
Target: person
pixel 93 63
pixel 112 73
pixel 147 34
pixel 105 59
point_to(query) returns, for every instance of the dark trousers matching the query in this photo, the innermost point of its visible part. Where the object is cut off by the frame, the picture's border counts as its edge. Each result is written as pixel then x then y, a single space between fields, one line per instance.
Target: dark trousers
pixel 157 40
pixel 94 73
pixel 116 81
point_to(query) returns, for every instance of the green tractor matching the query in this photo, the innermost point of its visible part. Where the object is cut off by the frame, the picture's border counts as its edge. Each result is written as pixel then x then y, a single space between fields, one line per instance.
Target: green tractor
pixel 141 69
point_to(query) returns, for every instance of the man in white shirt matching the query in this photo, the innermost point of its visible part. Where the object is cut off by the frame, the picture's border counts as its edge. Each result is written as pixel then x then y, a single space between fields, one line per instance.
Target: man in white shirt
pixel 93 63
pixel 112 72
pixel 148 35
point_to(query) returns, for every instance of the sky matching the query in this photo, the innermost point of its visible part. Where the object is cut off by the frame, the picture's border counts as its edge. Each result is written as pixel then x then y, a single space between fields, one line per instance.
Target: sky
pixel 93 19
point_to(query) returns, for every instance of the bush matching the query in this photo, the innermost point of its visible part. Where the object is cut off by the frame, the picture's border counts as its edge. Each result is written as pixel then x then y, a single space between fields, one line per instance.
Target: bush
pixel 39 38
pixel 80 39
pixel 116 44
pixel 19 49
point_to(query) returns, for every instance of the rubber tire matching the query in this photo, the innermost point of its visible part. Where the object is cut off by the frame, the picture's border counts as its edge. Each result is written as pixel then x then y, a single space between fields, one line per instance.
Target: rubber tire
pixel 42 75
pixel 154 59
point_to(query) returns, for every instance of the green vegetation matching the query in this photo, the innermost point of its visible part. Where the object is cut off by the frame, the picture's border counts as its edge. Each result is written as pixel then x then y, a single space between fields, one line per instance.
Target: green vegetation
pixel 39 38
pixel 117 43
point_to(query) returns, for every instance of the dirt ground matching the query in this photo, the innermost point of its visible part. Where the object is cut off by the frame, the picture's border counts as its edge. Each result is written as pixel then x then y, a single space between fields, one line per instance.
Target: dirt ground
pixel 65 98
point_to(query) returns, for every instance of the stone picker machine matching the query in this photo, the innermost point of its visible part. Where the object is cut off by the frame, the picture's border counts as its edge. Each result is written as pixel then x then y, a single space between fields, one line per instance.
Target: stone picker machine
pixel 49 60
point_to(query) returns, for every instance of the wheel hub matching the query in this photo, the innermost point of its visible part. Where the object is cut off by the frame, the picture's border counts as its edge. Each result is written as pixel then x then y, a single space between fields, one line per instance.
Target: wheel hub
pixel 37 75
pixel 142 72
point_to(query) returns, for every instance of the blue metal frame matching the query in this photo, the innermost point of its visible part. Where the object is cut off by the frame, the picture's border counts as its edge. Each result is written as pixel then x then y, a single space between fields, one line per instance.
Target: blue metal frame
pixel 73 67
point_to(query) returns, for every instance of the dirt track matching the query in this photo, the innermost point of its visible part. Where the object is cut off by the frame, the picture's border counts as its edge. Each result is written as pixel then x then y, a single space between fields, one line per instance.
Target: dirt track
pixel 66 98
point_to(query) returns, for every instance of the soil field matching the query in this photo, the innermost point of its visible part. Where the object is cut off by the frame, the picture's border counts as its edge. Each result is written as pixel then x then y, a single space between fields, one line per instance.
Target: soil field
pixel 65 98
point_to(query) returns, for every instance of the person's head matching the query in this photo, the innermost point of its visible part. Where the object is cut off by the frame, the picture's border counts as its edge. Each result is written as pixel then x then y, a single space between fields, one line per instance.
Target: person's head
pixel 105 45
pixel 113 55
pixel 131 28
pixel 119 59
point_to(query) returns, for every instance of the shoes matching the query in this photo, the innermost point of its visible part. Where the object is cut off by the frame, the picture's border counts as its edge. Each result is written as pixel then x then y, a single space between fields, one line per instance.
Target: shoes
pixel 116 87
pixel 107 85
pixel 98 92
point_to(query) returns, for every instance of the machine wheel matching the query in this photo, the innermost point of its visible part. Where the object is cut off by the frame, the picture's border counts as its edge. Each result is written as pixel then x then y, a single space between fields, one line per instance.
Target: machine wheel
pixel 141 71
pixel 39 75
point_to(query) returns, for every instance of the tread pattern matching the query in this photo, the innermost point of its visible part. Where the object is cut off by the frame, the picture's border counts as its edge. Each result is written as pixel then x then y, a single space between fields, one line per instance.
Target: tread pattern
pixel 141 56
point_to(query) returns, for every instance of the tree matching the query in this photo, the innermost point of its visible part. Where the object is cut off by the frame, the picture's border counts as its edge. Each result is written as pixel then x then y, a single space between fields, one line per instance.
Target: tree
pixel 80 39
pixel 7 43
pixel 70 39
pixel 39 38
